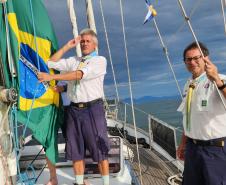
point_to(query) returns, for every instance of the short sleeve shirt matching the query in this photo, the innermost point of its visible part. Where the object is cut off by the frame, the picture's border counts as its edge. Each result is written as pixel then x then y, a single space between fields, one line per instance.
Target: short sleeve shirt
pixel 208 115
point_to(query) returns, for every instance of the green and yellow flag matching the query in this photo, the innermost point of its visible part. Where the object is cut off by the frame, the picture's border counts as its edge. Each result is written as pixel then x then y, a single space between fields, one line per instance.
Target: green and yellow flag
pixel 31 41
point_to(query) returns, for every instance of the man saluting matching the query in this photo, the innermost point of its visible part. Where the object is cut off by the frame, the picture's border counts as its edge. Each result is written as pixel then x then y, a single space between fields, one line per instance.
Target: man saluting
pixel 85 118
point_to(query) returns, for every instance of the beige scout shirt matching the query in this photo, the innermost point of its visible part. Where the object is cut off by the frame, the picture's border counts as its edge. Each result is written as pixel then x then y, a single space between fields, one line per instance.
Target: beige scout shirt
pixel 90 86
pixel 208 115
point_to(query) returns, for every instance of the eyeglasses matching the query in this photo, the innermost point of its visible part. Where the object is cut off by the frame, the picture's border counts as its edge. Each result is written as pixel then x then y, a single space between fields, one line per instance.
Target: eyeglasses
pixel 196 58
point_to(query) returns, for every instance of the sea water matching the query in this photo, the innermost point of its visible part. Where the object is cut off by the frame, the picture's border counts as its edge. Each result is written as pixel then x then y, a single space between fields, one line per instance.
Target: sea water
pixel 164 110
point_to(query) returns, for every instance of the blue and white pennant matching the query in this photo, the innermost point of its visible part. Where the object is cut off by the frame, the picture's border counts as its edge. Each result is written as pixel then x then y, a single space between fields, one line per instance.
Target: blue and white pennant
pixel 151 11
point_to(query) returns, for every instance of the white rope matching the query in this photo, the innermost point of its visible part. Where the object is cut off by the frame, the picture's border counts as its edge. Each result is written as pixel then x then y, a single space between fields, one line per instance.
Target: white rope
pixel 90 15
pixel 109 50
pixel 189 24
pixel 195 7
pixel 165 50
pixel 130 90
pixel 10 58
pixel 71 10
pixel 223 4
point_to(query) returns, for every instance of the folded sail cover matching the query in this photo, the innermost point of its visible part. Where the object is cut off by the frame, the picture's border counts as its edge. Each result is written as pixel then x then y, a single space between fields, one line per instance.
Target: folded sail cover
pixel 32 42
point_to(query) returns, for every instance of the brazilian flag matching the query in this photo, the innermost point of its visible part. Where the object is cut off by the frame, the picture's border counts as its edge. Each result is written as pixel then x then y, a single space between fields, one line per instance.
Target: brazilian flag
pixel 27 41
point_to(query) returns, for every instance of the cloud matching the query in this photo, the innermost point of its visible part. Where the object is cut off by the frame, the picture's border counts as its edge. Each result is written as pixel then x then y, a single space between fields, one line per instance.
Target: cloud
pixel 150 72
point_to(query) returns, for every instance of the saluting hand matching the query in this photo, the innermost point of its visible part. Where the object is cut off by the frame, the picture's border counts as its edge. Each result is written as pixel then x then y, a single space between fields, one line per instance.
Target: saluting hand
pixel 74 42
pixel 44 77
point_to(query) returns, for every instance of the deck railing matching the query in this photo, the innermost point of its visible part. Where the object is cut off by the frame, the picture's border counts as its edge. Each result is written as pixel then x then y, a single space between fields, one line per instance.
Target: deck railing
pixel 155 130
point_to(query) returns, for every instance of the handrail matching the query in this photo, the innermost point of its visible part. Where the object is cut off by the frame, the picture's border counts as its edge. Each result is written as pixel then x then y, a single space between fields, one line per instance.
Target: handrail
pixel 123 118
pixel 152 116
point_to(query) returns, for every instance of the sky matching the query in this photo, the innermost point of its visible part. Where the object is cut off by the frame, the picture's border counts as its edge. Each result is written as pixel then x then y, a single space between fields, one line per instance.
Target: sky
pixel 149 69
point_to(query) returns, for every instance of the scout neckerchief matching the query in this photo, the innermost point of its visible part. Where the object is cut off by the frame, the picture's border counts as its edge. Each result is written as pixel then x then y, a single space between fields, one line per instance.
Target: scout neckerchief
pixel 82 64
pixel 192 86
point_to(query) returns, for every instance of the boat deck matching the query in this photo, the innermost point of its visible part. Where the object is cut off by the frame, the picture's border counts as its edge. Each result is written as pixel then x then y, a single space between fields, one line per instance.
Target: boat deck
pixel 154 169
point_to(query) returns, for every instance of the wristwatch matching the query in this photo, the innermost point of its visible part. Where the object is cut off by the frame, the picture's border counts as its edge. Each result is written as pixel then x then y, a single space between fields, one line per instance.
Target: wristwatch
pixel 223 86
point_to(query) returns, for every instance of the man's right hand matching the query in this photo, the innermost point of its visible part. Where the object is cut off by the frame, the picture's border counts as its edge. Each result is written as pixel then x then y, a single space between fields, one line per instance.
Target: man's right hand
pixel 181 151
pixel 74 42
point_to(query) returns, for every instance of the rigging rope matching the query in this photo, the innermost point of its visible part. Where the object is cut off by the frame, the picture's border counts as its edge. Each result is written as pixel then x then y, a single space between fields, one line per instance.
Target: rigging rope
pixel 90 15
pixel 109 50
pixel 9 50
pixel 130 89
pixel 37 85
pixel 189 24
pixel 223 5
pixel 165 50
pixel 35 36
pixel 195 7
pixel 70 4
pixel 160 161
pixel 13 112
pixel 30 111
pixel 13 126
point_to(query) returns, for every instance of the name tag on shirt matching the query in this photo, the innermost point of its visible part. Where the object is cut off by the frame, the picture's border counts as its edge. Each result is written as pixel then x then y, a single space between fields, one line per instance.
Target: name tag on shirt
pixel 204 103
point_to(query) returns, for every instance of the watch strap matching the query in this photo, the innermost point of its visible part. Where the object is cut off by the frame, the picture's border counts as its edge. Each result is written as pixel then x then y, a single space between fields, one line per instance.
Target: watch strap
pixel 223 86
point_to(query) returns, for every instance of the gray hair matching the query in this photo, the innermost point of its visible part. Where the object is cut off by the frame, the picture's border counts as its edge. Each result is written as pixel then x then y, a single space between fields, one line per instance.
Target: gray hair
pixel 88 31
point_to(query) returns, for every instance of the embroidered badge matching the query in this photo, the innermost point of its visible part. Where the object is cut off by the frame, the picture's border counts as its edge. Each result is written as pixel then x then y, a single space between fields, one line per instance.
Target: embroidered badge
pixel 204 103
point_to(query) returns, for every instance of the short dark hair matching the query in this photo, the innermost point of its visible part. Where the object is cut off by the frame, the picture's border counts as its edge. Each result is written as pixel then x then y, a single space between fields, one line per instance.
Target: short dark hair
pixel 194 45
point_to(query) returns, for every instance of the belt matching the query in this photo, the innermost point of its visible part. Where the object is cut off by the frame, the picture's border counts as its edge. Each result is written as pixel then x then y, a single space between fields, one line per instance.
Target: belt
pixel 213 142
pixel 83 105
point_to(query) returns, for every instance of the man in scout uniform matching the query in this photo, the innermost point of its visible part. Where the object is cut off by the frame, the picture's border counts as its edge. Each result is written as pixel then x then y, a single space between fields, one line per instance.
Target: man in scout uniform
pixel 86 126
pixel 203 145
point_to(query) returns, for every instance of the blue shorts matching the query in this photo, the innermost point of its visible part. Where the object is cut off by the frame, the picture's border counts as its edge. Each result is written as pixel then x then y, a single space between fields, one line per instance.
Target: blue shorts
pixel 86 128
pixel 204 165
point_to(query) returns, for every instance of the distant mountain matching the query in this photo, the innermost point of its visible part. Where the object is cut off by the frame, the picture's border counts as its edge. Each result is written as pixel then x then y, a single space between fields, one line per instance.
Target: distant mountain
pixel 146 99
